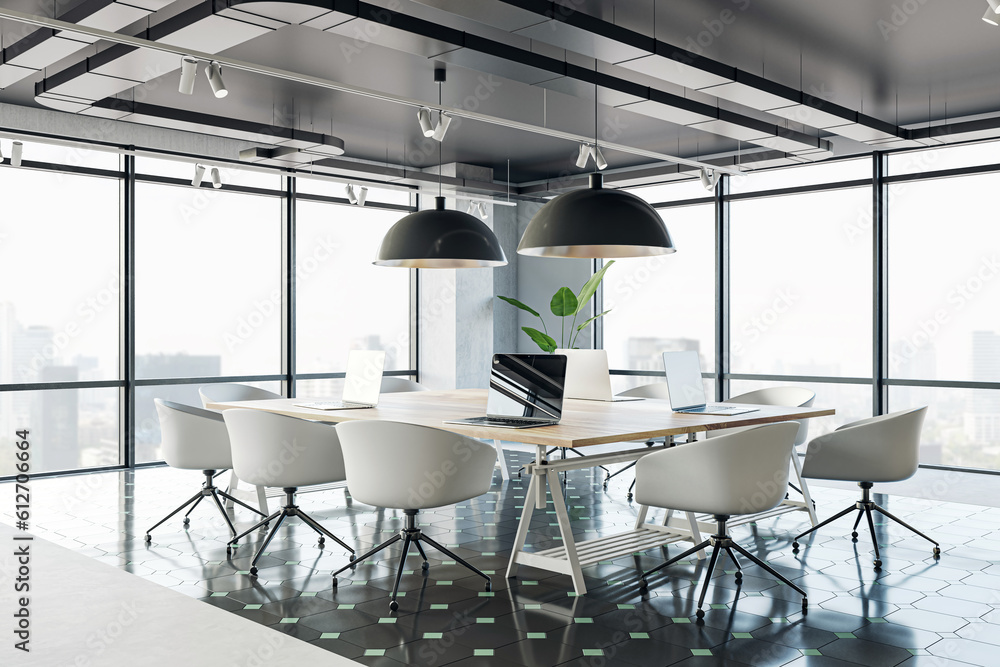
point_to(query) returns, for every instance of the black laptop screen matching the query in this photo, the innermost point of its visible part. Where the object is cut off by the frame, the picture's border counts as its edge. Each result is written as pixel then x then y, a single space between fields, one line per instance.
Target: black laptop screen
pixel 527 385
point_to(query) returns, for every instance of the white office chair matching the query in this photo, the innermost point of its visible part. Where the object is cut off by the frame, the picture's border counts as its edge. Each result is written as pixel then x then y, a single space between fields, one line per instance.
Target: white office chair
pixel 742 473
pixel 276 450
pixel 195 439
pixel 409 467
pixel 794 397
pixel 877 449
pixel 228 391
pixel 652 390
pixel 394 385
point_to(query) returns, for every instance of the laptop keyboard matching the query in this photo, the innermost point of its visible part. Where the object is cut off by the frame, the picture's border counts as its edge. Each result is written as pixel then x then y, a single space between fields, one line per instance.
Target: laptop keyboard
pixel 330 405
pixel 505 420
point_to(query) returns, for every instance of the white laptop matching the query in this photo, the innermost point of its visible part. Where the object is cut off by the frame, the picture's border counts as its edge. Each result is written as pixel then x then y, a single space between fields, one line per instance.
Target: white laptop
pixel 362 384
pixel 687 390
pixel 587 376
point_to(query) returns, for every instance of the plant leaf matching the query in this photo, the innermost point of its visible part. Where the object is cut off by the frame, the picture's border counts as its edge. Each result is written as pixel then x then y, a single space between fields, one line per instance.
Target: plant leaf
pixel 587 291
pixel 518 304
pixel 544 341
pixel 584 325
pixel 563 302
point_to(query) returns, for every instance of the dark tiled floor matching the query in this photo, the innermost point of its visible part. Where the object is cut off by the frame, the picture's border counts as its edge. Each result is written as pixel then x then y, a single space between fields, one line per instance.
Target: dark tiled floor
pixel 915 612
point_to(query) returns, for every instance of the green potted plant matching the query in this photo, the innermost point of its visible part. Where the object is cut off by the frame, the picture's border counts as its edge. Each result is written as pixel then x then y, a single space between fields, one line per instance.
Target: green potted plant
pixel 565 304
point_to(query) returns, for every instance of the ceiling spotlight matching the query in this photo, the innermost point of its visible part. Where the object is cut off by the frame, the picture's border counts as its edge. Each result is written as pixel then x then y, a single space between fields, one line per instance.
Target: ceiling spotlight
pixel 444 121
pixel 581 159
pixel 351 197
pixel 189 70
pixel 362 196
pixel 991 16
pixel 15 153
pixel 482 210
pixel 216 178
pixel 199 174
pixel 424 118
pixel 599 157
pixel 709 178
pixel 471 208
pixel 214 74
pixel 994 5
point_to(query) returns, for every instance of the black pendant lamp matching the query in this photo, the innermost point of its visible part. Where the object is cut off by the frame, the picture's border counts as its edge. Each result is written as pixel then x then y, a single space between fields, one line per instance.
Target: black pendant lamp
pixel 596 223
pixel 440 238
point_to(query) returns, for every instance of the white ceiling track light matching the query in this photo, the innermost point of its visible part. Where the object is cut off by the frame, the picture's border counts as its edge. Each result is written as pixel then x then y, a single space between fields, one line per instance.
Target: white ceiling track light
pixel 584 156
pixel 199 175
pixel 216 178
pixel 351 197
pixel 214 74
pixel 16 150
pixel 424 118
pixel 330 84
pixel 429 129
pixel 994 5
pixel 189 72
pixel 444 122
pixel 992 17
pixel 710 178
pixel 356 197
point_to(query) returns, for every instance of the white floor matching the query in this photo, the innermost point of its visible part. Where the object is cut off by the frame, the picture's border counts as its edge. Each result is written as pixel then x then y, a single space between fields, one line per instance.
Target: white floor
pixel 86 613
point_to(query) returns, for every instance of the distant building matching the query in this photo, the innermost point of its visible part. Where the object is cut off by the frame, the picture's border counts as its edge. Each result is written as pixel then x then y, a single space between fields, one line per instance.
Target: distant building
pixel 982 416
pixel 56 431
pixel 646 353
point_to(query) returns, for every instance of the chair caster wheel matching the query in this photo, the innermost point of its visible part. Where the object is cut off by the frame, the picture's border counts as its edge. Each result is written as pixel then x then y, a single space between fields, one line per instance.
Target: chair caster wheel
pixel 253 571
pixel 739 577
pixel 393 605
pixel 854 536
pixel 229 552
pixel 334 582
pixel 148 538
pixel 488 587
pixel 351 559
pixel 425 566
pixel 643 584
pixel 321 541
pixel 937 552
pixel 805 605
pixel 700 614
pixel 628 496
pixel 187 521
pixel 795 546
pixel 878 564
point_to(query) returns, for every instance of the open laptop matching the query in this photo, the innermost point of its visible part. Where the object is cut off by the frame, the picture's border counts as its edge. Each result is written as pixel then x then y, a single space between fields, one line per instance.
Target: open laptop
pixel 526 390
pixel 362 383
pixel 587 376
pixel 687 390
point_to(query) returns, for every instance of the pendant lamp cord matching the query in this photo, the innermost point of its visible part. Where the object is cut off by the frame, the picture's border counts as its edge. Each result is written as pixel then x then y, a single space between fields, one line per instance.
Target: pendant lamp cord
pixel 595 112
pixel 440 143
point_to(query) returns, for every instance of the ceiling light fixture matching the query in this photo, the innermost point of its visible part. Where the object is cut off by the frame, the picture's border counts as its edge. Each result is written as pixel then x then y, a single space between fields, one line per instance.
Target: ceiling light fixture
pixel 199 174
pixel 440 238
pixel 216 178
pixel 16 148
pixel 709 178
pixel 351 197
pixel 214 74
pixel 189 71
pixel 584 156
pixel 424 118
pixel 444 122
pixel 991 16
pixel 994 5
pixel 599 157
pixel 362 196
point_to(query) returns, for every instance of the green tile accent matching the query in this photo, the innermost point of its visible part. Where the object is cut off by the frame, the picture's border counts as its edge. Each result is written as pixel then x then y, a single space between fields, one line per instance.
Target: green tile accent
pixel 484 620
pixel 529 583
pixel 583 620
pixel 810 651
pixel 877 620
pixel 483 651
pixel 239 571
pixel 626 606
pixel 845 635
pixel 439 606
pixel 681 620
pixel 444 583
pixel 532 606
pixel 638 635
pixel 447 562
pixel 489 571
pixel 778 620
pixel 593 652
pixel 330 635
pixel 345 606
pixel 489 553
pixel 742 635
pixel 571 594
pixel 291 562
pixel 386 620
pixel 433 635
pixel 308 595
pixel 252 606
pixel 374 652
pixel 719 606
pixel 219 595
pixel 701 651
pixel 486 594
pixel 289 620
pixel 536 635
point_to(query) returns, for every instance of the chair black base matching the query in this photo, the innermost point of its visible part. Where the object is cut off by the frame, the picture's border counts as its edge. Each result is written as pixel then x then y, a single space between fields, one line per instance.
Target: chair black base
pixel 410 534
pixel 721 541
pixel 864 508
pixel 208 488
pixel 289 509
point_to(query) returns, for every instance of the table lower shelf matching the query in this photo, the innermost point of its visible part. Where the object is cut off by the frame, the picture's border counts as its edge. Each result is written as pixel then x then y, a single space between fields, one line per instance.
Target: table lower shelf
pixel 591 552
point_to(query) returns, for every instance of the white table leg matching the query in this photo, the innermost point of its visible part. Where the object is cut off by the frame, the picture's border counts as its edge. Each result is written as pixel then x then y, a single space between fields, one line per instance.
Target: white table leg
pixel 696 533
pixel 566 530
pixel 262 499
pixel 641 517
pixel 502 462
pixel 797 465
pixel 540 487
pixel 522 527
pixel 234 482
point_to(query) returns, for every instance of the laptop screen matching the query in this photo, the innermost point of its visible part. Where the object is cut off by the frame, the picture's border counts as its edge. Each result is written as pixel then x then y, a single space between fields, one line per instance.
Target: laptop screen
pixel 526 385
pixel 363 380
pixel 683 369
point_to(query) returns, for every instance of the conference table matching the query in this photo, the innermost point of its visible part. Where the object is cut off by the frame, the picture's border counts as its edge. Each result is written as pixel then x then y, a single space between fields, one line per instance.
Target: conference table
pixel 584 424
